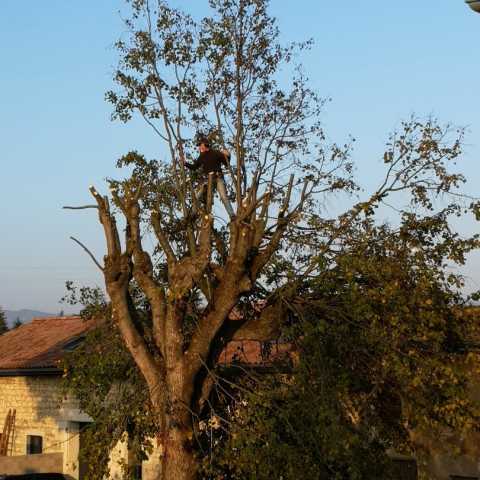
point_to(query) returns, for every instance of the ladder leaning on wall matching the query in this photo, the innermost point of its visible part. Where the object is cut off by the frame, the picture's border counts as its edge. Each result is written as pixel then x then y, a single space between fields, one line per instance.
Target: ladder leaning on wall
pixel 8 431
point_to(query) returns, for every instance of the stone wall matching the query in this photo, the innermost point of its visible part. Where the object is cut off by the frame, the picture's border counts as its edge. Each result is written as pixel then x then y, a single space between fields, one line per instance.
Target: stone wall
pixel 37 401
pixel 20 465
pixel 42 410
pixel 151 468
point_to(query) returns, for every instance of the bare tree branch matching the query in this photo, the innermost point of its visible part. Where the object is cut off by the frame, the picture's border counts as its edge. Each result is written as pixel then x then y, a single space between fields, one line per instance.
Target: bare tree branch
pixel 88 252
pixel 84 207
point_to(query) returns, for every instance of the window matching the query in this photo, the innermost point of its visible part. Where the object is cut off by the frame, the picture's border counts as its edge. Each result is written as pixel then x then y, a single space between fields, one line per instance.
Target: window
pixel 73 344
pixel 34 444
pixel 405 469
pixel 137 472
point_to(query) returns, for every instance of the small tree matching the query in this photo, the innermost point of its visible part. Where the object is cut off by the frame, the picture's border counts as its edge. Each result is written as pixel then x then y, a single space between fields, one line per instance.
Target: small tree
pixel 3 322
pixel 17 323
pixel 221 76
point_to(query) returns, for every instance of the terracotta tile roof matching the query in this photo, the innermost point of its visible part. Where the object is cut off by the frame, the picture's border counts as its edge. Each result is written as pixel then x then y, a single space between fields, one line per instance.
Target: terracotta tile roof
pixel 255 353
pixel 40 343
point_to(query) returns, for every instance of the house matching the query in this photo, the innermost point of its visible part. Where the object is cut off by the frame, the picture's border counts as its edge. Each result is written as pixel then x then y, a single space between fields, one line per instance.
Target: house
pixel 46 431
pixel 46 425
pixel 46 428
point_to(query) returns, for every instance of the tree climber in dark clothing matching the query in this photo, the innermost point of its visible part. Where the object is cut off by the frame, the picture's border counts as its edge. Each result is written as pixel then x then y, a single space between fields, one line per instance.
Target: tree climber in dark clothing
pixel 210 161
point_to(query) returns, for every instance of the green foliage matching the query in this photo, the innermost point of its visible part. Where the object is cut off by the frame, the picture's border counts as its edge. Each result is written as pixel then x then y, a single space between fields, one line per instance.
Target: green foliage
pixel 288 427
pixel 220 76
pixel 382 338
pixel 101 374
pixel 91 299
pixel 3 322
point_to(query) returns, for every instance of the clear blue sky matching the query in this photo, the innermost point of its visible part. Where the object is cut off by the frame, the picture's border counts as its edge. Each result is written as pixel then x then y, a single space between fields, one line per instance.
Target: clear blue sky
pixel 380 61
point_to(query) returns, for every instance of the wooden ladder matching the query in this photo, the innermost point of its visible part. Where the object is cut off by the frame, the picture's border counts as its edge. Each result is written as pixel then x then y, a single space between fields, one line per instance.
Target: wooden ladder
pixel 8 431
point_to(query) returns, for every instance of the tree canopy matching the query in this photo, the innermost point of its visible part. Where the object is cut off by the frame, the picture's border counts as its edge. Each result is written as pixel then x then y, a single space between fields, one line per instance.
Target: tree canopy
pixel 183 266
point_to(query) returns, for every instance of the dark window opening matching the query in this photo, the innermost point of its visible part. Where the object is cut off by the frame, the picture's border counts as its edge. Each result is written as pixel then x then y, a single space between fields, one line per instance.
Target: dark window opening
pixel 34 444
pixel 405 469
pixel 137 472
pixel 73 344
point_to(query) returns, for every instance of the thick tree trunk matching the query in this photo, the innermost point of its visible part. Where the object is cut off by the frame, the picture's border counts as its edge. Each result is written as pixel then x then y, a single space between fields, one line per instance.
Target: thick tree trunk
pixel 178 461
pixel 174 423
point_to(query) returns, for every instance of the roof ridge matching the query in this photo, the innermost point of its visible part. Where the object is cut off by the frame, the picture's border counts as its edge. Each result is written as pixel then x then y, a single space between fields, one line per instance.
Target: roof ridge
pixel 63 317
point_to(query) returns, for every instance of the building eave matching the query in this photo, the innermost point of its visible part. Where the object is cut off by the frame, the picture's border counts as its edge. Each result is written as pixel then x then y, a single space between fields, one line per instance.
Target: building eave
pixel 30 372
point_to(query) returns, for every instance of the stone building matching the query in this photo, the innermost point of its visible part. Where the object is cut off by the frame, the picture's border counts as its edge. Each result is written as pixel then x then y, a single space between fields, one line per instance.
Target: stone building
pixel 47 429
pixel 46 432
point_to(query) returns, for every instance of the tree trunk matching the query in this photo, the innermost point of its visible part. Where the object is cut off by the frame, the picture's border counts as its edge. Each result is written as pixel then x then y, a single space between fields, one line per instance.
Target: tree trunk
pixel 178 461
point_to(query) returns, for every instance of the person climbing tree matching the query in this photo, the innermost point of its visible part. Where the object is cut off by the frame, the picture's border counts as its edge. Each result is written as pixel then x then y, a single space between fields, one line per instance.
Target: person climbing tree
pixel 210 161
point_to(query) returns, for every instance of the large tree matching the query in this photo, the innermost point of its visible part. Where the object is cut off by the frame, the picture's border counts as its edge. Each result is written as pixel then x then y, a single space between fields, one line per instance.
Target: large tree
pixel 222 76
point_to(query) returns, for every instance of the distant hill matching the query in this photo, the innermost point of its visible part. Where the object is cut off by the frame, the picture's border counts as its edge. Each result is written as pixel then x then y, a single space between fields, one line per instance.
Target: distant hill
pixel 24 315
